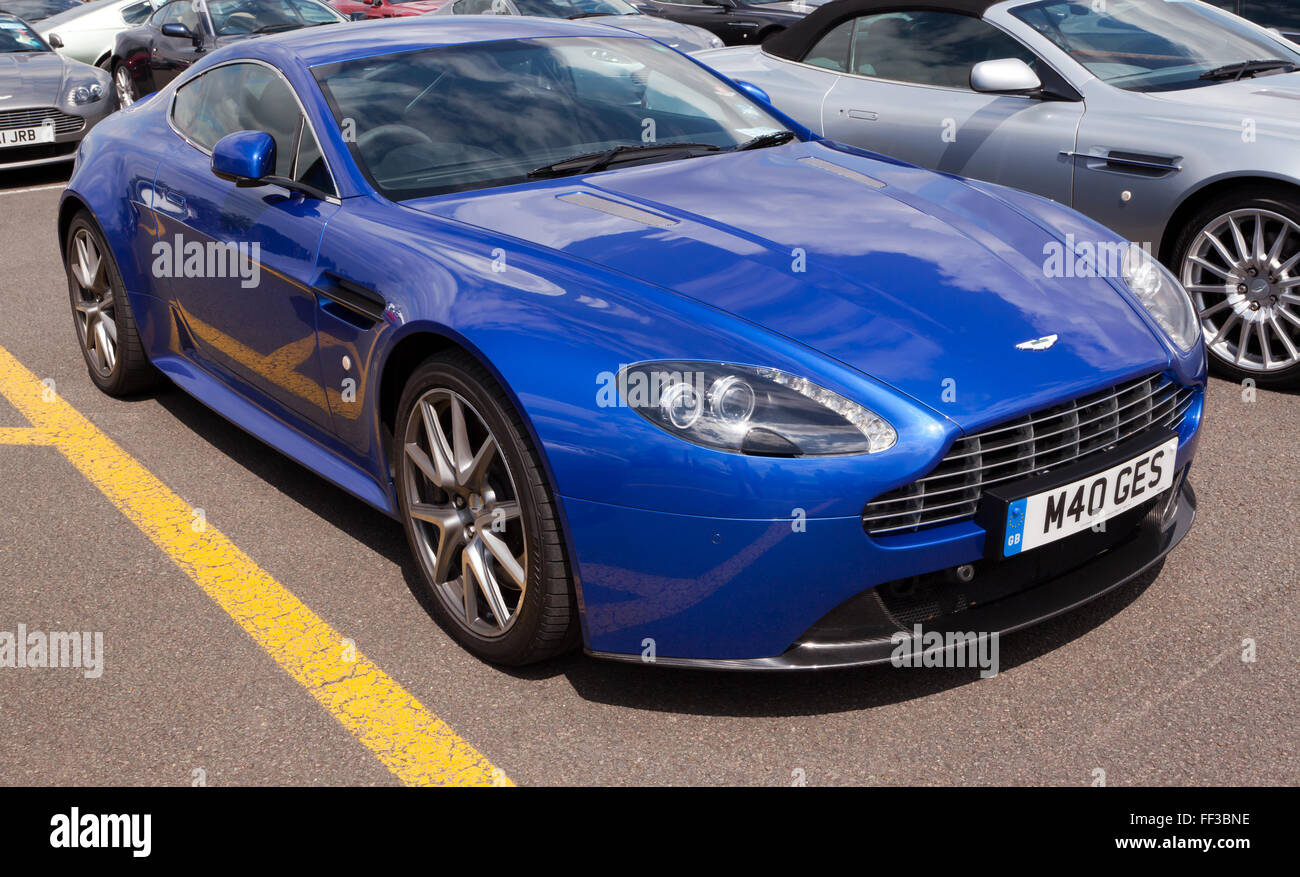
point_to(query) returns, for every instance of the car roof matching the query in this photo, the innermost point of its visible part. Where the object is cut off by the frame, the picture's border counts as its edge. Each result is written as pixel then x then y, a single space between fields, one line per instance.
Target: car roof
pixel 364 39
pixel 795 41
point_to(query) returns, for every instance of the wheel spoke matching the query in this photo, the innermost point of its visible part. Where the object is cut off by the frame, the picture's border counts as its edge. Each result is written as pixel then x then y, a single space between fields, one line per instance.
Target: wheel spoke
pixel 476 474
pixel 1214 309
pixel 504 556
pixel 438 448
pixel 1275 252
pixel 1226 327
pixel 1239 239
pixel 1228 258
pixel 1258 240
pixel 422 462
pixel 486 582
pixel 1215 269
pixel 1246 329
pixel 1280 331
pixel 461 454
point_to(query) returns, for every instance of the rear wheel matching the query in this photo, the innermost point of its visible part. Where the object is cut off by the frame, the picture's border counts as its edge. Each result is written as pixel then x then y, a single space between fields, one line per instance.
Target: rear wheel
pixel 102 314
pixel 479 516
pixel 1239 259
pixel 124 85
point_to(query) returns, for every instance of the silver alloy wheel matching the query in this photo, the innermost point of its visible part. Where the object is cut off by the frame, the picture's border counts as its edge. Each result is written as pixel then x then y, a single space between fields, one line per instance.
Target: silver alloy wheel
pixel 125 90
pixel 94 303
pixel 464 508
pixel 1241 273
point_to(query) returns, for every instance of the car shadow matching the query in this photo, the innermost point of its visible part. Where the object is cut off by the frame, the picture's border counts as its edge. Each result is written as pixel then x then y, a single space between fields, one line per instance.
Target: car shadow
pixel 635 686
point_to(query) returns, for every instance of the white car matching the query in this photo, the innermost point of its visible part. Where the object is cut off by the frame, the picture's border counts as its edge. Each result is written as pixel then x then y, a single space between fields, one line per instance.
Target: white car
pixel 87 32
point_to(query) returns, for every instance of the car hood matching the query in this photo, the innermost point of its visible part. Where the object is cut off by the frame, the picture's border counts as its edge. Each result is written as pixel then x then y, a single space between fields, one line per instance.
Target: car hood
pixel 927 284
pixel 31 79
pixel 1274 97
pixel 680 36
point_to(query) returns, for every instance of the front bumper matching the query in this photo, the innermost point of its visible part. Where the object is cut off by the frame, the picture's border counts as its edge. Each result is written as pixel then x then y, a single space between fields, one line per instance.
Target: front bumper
pixel 862 631
pixel 768 595
pixel 64 146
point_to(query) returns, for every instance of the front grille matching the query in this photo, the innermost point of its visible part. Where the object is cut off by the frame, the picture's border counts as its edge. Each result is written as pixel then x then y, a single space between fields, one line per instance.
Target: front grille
pixel 36 116
pixel 1028 446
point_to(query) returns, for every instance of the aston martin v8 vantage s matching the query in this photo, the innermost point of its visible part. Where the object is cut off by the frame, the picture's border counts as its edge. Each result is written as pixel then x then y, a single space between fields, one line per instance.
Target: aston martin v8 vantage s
pixel 1170 121
pixel 636 361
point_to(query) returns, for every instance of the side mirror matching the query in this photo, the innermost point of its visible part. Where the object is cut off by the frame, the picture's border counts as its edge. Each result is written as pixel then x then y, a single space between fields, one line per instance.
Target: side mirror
pixel 245 158
pixel 54 41
pixel 176 30
pixel 754 91
pixel 1004 76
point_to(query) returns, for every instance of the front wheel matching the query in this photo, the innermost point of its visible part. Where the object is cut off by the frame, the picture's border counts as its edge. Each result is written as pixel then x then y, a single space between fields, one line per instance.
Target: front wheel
pixel 479 516
pixel 1239 259
pixel 102 314
pixel 124 85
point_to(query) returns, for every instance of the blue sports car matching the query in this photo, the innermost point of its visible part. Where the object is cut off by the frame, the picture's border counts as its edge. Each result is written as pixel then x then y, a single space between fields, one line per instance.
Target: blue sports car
pixel 637 361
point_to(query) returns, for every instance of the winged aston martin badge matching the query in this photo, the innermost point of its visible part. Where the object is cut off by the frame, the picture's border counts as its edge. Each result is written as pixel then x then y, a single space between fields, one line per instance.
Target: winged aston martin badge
pixel 1038 343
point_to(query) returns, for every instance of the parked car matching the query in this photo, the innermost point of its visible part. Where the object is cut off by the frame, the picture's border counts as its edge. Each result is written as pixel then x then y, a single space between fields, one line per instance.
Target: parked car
pixel 86 32
pixel 1280 15
pixel 735 22
pixel 616 13
pixel 32 11
pixel 181 32
pixel 689 397
pixel 1172 122
pixel 385 8
pixel 47 102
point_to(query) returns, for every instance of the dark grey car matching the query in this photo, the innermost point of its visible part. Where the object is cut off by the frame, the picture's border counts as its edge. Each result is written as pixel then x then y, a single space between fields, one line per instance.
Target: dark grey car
pixel 1171 121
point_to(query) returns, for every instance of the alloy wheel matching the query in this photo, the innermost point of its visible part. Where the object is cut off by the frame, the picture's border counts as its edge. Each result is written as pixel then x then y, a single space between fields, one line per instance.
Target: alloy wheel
pixel 463 507
pixel 94 303
pixel 125 88
pixel 1241 271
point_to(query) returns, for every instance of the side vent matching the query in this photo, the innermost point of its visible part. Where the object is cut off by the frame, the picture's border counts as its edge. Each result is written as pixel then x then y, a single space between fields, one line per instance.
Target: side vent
pixel 1132 163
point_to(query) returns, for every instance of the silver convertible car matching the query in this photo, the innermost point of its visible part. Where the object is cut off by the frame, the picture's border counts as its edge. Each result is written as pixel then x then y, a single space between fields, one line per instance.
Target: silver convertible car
pixel 1171 121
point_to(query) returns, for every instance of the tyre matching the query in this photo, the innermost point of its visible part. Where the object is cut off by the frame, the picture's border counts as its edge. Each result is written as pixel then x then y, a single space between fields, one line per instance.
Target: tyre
pixel 124 86
pixel 480 517
pixel 1239 258
pixel 102 315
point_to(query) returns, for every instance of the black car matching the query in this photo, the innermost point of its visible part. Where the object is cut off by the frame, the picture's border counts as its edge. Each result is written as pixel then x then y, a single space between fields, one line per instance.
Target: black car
pixel 32 11
pixel 1281 15
pixel 736 22
pixel 148 57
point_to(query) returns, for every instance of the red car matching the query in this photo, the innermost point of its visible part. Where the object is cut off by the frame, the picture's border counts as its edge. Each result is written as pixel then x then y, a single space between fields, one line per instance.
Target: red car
pixel 386 8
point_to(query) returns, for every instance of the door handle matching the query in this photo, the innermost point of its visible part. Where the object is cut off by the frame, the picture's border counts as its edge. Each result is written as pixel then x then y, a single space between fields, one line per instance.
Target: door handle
pixel 353 296
pixel 864 115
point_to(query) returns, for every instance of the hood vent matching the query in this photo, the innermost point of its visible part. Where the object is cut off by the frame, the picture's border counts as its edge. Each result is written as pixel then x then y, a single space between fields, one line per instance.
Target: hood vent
pixel 847 173
pixel 619 209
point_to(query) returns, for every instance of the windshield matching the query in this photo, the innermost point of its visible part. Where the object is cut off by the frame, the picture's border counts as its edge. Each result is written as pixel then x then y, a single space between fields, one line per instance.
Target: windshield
pixel 574 8
pixel 1155 45
pixel 15 36
pixel 454 118
pixel 35 10
pixel 232 17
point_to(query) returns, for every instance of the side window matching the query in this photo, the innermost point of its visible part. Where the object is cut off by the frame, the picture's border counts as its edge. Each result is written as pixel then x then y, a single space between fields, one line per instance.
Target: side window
pixel 188 16
pixel 1272 13
pixel 136 13
pixel 167 14
pixel 473 7
pixel 832 50
pixel 251 97
pixel 929 48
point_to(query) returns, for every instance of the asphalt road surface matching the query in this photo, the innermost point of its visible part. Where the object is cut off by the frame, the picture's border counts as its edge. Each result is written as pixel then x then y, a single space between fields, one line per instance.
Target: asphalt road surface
pixel 1148 684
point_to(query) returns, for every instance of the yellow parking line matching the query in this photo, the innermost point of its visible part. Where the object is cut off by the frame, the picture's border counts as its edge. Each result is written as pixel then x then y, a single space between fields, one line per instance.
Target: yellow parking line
pixel 410 740
pixel 24 435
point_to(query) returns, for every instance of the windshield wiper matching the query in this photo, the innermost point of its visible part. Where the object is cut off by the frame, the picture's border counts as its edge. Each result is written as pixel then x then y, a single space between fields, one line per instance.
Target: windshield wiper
pixel 585 15
pixel 1248 68
pixel 772 138
pixel 595 161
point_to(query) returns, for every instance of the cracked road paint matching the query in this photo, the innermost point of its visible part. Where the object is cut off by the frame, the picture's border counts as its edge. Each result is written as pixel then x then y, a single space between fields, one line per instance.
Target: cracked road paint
pixel 412 742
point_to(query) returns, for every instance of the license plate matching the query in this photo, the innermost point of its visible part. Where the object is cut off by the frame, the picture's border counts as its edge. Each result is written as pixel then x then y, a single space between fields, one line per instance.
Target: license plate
pixel 1043 518
pixel 26 136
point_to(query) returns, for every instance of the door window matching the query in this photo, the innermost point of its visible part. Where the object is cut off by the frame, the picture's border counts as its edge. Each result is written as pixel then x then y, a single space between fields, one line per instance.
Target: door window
pixel 251 97
pixel 929 48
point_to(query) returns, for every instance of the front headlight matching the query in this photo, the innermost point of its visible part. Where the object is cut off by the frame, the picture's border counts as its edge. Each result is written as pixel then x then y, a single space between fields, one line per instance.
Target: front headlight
pixel 761 412
pixel 715 42
pixel 85 94
pixel 1163 296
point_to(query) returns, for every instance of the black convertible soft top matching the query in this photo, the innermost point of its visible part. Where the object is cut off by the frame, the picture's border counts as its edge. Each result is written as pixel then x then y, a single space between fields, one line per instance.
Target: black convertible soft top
pixel 795 41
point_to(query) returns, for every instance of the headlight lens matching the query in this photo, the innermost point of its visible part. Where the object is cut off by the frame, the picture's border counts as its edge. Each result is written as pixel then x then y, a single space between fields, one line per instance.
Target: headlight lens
pixel 86 94
pixel 761 412
pixel 1163 296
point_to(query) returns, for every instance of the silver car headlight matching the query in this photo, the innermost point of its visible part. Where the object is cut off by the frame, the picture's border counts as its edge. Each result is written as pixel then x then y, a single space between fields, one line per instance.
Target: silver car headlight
pixel 1163 297
pixel 761 412
pixel 85 94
